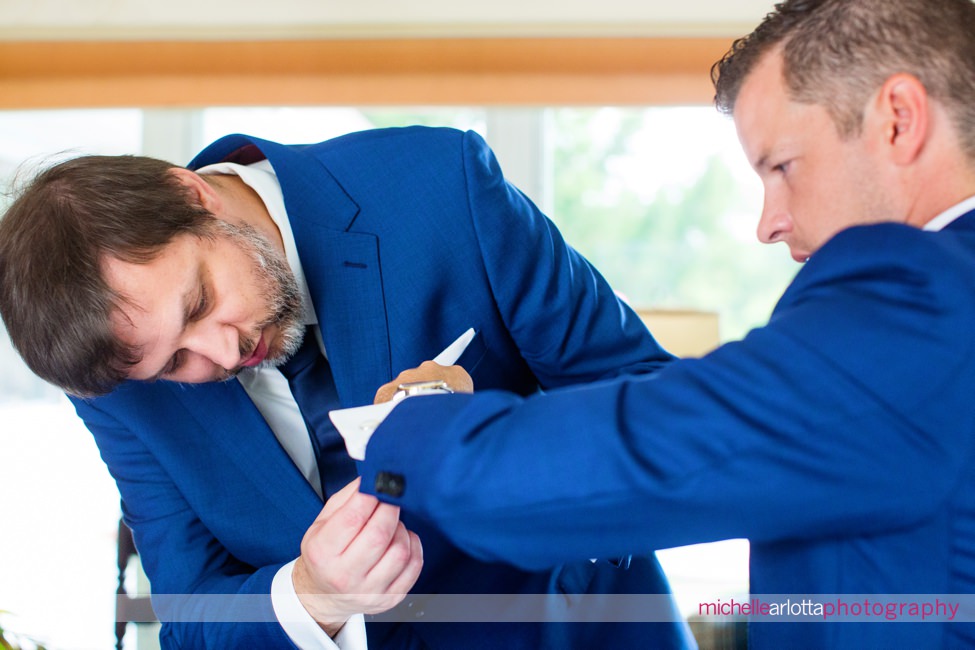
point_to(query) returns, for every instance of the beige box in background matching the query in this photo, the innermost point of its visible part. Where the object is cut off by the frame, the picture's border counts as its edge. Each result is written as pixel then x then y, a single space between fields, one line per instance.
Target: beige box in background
pixel 685 333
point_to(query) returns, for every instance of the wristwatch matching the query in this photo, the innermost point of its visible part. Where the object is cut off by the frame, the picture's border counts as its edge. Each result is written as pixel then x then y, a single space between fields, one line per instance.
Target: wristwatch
pixel 412 388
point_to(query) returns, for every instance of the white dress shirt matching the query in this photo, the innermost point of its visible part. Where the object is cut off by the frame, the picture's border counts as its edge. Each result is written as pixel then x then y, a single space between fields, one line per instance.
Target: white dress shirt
pixel 951 214
pixel 271 394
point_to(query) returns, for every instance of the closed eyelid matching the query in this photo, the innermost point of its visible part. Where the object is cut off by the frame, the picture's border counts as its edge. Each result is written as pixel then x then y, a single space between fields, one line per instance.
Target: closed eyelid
pixel 191 314
pixel 202 304
pixel 171 366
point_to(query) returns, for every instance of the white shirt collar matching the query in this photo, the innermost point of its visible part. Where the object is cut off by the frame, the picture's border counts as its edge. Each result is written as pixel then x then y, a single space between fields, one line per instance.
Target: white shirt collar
pixel 951 214
pixel 261 178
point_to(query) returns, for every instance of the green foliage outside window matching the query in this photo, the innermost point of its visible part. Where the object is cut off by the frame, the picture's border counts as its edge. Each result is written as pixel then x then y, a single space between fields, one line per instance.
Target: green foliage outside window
pixel 690 245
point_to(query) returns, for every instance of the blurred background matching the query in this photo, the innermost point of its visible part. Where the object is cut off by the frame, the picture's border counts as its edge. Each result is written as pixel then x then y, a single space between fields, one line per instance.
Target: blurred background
pixel 600 112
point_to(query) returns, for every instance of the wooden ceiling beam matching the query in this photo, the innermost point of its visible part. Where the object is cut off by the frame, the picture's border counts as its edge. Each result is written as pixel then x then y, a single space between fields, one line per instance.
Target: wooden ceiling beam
pixel 476 71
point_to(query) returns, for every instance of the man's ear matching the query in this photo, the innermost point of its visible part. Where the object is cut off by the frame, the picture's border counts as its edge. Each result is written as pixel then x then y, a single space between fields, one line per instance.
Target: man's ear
pixel 905 111
pixel 199 189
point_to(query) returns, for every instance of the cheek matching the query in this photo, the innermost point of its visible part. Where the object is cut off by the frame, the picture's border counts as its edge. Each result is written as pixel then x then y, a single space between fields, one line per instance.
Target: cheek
pixel 842 201
pixel 243 293
pixel 819 200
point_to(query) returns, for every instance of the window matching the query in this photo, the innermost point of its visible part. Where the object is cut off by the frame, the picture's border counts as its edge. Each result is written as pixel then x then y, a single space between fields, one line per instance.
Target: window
pixel 664 203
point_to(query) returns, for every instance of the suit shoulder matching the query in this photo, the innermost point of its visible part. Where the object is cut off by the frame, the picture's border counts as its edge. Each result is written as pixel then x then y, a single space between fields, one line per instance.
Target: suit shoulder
pixel 245 149
pixel 424 136
pixel 130 400
pixel 892 259
pixel 897 246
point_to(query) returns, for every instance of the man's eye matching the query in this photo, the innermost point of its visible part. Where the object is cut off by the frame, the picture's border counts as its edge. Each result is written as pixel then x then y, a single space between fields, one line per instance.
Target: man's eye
pixel 781 168
pixel 202 305
pixel 175 363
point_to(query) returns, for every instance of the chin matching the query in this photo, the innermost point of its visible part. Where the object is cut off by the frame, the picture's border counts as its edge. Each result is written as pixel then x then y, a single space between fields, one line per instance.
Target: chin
pixel 275 357
pixel 270 363
pixel 279 351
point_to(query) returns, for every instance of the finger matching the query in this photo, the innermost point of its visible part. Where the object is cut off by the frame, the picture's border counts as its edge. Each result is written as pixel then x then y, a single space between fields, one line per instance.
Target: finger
pixel 386 392
pixel 400 566
pixel 393 579
pixel 343 559
pixel 411 572
pixel 455 376
pixel 428 370
pixel 458 379
pixel 334 535
pixel 394 559
pixel 374 538
pixel 339 499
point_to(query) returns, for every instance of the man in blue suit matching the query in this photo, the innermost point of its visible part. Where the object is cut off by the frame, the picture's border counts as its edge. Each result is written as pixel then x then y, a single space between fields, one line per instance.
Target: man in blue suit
pixel 840 437
pixel 163 299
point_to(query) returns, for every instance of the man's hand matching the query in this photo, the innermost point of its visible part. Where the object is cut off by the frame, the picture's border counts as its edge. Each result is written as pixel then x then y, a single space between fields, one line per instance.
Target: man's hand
pixel 455 376
pixel 357 557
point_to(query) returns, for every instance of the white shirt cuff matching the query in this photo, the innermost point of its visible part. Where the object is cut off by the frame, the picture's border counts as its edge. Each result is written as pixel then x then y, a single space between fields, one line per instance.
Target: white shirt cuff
pixel 302 628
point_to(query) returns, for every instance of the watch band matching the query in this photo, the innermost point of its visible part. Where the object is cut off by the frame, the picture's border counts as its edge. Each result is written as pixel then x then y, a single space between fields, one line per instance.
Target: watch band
pixel 412 388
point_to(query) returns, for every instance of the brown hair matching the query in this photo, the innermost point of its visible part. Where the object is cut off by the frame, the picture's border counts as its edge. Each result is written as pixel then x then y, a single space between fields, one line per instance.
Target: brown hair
pixel 837 53
pixel 53 240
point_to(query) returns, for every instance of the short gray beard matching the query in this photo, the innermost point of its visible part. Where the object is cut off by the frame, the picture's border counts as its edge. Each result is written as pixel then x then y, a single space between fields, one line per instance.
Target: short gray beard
pixel 279 287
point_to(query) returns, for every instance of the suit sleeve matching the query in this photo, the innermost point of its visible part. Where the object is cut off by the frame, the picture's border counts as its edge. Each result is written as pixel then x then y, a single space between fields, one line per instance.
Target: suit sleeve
pixel 203 596
pixel 850 412
pixel 565 319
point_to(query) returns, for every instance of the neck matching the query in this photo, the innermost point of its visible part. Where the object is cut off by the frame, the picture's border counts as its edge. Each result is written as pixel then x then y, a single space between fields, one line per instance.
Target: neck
pixel 245 205
pixel 941 176
pixel 938 196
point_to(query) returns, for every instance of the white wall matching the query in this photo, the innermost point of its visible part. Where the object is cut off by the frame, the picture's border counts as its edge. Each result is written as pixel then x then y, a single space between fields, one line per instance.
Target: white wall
pixel 41 19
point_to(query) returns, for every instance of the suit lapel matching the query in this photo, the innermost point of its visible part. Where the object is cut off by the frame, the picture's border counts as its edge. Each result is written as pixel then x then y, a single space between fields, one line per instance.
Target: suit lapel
pixel 342 270
pixel 344 280
pixel 226 415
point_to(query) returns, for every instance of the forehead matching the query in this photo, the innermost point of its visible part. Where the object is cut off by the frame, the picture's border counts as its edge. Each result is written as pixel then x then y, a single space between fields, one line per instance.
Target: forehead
pixel 136 280
pixel 152 293
pixel 762 106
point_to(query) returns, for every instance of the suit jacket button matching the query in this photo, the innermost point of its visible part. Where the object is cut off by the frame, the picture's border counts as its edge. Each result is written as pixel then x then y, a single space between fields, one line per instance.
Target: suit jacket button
pixel 390 484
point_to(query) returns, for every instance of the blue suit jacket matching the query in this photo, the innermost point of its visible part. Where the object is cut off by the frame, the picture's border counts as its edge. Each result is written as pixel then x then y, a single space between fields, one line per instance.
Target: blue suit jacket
pixel 407 238
pixel 839 438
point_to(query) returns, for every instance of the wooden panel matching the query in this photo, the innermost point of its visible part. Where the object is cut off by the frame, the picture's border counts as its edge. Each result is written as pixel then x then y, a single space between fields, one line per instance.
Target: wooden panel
pixel 552 71
pixel 685 333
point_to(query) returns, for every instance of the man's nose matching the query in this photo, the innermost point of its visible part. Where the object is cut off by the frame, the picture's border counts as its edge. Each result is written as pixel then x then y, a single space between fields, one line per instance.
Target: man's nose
pixel 775 223
pixel 220 343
